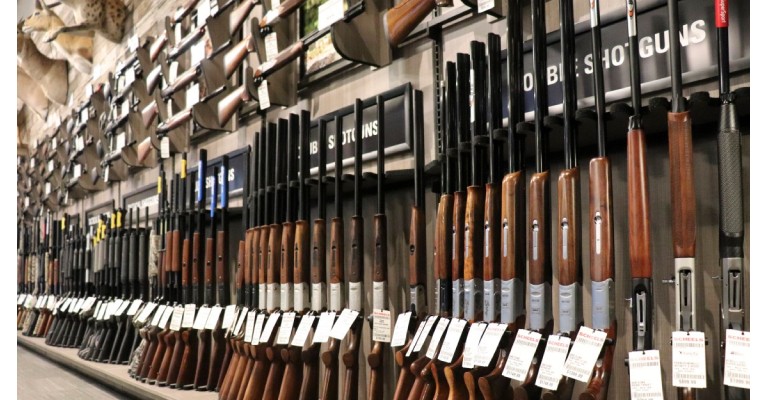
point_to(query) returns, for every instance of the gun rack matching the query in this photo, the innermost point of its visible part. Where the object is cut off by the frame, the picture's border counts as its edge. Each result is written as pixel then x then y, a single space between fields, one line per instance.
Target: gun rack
pixel 226 23
pixel 499 9
pixel 216 114
pixel 177 138
pixel 281 85
pixel 362 38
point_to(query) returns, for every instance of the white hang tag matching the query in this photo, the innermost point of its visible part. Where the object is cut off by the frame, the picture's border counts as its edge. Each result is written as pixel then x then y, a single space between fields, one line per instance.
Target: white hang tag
pixel 249 320
pixel 342 325
pixel 286 327
pixel 166 316
pixel 79 305
pixel 79 144
pixel 689 359
pixel 103 311
pixel 47 188
pixel 146 312
pixel 77 171
pixel 133 43
pixel 303 331
pixel 263 94
pixel 50 165
pixel 240 320
pixel 177 33
pixel 134 307
pixel 583 356
pixel 64 306
pixel 415 338
pixel 96 71
pixel 229 316
pixel 30 301
pixel 106 174
pixel 269 327
pixel 20 299
pixel 381 326
pixel 189 316
pixel 123 306
pixel 193 95
pixel 425 333
pixel 270 43
pixel 88 90
pixel 51 303
pixel 86 304
pixel 124 108
pixel 158 314
pixel 214 5
pixel 470 346
pixel 645 375
pixel 489 344
pixel 130 76
pixel 203 12
pixel 257 328
pixel 521 355
pixel 176 317
pixel 202 317
pixel 400 332
pixel 40 301
pixel 165 147
pixel 737 358
pixel 451 341
pixel 324 327
pixel 329 12
pixel 213 319
pixel 437 336
pixel 120 141
pixel 551 369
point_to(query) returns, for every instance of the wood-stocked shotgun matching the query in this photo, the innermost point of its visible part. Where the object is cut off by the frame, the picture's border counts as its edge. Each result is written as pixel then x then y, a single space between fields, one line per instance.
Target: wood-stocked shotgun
pixel 402 19
pixel 539 219
pixel 204 351
pixel 218 343
pixel 731 247
pixel 601 250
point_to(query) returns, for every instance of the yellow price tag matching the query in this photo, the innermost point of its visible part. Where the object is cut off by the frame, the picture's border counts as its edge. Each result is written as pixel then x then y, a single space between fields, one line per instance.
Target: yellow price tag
pixel 183 169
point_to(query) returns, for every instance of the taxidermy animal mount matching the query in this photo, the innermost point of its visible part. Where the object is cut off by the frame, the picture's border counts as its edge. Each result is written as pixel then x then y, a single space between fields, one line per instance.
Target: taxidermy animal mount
pixel 76 49
pixel 105 17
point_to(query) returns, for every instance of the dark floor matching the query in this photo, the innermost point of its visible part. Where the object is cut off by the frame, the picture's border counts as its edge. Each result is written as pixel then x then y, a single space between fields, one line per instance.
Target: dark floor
pixel 40 379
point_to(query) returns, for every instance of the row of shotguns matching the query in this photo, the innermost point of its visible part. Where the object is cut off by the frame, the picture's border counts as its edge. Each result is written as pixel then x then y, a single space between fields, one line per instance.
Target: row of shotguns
pixel 492 236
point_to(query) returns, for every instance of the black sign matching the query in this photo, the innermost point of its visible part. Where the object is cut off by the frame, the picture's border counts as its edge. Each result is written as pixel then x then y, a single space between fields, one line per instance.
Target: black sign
pixel 698 39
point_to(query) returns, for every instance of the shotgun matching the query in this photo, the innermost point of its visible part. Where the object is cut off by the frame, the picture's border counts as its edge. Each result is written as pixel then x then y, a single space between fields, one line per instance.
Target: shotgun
pixel 379 277
pixel 539 221
pixel 403 18
pixel 124 290
pixel 731 240
pixel 204 354
pixel 294 369
pixel 311 353
pixel 330 357
pixel 601 255
pixel 279 13
pixel 218 343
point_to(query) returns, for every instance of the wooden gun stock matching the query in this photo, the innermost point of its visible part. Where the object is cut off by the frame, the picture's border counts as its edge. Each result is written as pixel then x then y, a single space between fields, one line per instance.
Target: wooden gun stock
pixel 186 43
pixel 639 215
pixel 442 254
pixel 222 268
pixel 148 114
pixel 683 193
pixel 281 59
pixel 400 20
pixel 569 264
pixel 330 360
pixel 235 56
pixel 473 254
pixel 181 82
pixel 281 11
pixel 350 360
pixel 175 121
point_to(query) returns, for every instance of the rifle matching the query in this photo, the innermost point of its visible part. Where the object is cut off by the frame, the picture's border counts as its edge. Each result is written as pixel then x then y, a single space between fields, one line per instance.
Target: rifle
pixel 539 219
pixel 683 194
pixel 379 277
pixel 601 256
pixel 202 253
pixel 731 240
pixel 294 370
pixel 279 13
pixel 311 353
pixel 330 357
pixel 453 372
pixel 403 18
pixel 204 373
pixel 119 317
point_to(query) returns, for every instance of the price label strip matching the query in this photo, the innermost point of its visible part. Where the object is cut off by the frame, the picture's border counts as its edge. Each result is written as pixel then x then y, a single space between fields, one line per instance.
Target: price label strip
pixel 689 360
pixel 382 326
pixel 551 369
pixel 521 355
pixel 645 375
pixel 286 328
pixel 737 359
pixel 584 353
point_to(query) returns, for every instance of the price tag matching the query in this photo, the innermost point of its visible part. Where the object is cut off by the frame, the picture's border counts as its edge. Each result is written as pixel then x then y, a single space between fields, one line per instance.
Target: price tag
pixel 173 71
pixel 688 359
pixel 240 321
pixel 229 316
pixel 203 12
pixel 442 325
pixel 158 315
pixel 303 331
pixel 342 325
pixel 193 94
pixel 146 312
pixel 123 306
pixel 47 188
pixel 249 326
pixel 257 327
pixel 583 356
pixel 78 306
pixel 77 171
pixel 63 306
pixel 270 42
pixel 88 90
pixel 51 303
pixel 269 327
pixel 31 300
pixel 645 375
pixel 86 304
pixel 416 335
pixel 329 12
pixel 95 71
pixel 120 140
pixel 263 93
pixel 166 316
pixel 165 147
pixel 286 327
pixel 400 333
pixel 103 311
pixel 134 307
pixel 484 5
pixel 39 301
pixel 213 318
pixel 50 165
pixel 324 327
pixel 133 43
pixel 106 174
pixel 176 317
pixel 470 346
pixel 488 344
pixel 197 53
pixel 424 333
pixel 451 341
pixel 130 76
pixel 79 145
pixel 124 108
pixel 20 299
pixel 737 358
pixel 202 318
pixel 177 33
pixel 551 369
pixel 521 355
pixel 382 330
pixel 189 316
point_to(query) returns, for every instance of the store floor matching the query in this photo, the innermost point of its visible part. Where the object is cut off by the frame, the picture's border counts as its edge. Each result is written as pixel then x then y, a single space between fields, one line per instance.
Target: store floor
pixel 40 379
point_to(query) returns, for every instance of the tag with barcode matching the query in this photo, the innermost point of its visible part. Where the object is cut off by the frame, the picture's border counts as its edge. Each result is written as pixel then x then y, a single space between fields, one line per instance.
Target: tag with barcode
pixel 303 331
pixel 213 319
pixel 689 360
pixel 400 333
pixel 123 306
pixel 134 307
pixel 165 147
pixel 324 327
pixel 240 321
pixel 166 316
pixel 146 312
pixel 521 355
pixel 329 12
pixel 416 336
pixel 270 42
pixel 583 356
pixel 422 338
pixel 484 5
pixel 737 358
pixel 193 94
pixel 269 327
pixel 286 327
pixel 470 346
pixel 381 326
pixel 257 327
pixel 451 341
pixel 189 316
pixel 263 93
pixel 133 43
pixel 489 344
pixel 437 336
pixel 249 320
pixel 229 316
pixel 176 317
pixel 645 375
pixel 551 369
pixel 342 325
pixel 202 317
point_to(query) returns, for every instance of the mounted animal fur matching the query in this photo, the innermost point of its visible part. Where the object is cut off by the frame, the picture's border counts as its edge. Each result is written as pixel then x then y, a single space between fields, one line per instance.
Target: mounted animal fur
pixel 105 17
pixel 78 50
pixel 51 75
